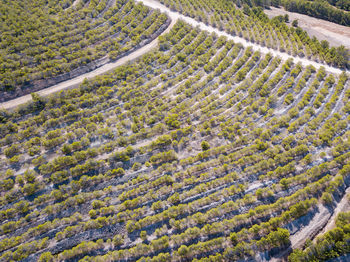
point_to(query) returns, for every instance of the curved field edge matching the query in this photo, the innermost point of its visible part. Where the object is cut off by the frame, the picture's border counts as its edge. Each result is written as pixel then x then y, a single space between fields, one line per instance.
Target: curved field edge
pixel 74 82
pixel 85 38
pixel 174 16
pixel 184 126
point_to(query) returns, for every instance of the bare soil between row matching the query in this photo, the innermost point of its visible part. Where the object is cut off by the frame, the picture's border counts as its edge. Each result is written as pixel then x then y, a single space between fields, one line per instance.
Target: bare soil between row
pixel 335 34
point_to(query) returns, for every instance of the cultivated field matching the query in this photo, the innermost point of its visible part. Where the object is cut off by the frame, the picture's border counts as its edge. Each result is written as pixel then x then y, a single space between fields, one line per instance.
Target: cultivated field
pixel 63 41
pixel 201 149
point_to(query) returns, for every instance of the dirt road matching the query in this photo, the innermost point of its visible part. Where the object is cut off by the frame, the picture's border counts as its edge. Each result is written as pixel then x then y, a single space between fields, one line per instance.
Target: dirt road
pixel 74 82
pixel 335 34
pixel 174 17
pixel 342 206
pixel 307 232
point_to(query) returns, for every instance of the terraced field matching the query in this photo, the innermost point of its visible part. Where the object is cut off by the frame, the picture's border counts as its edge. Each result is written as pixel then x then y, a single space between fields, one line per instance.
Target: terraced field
pixel 66 39
pixel 254 26
pixel 203 149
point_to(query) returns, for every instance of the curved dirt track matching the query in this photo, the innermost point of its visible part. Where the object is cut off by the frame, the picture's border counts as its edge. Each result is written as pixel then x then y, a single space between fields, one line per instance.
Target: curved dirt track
pixel 175 15
pixel 342 206
pixel 298 239
pixel 74 82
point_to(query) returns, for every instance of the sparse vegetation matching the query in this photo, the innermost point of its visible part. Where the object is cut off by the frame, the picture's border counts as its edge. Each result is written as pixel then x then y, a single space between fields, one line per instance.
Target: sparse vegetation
pixel 201 150
pixel 248 20
pixel 62 41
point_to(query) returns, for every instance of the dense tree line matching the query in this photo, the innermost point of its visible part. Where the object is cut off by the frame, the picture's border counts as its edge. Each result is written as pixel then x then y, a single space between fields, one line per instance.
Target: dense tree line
pixel 319 9
pixel 330 10
pixel 342 4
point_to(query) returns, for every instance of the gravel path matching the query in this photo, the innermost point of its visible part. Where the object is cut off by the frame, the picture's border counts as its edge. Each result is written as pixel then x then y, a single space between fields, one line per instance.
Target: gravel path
pixel 307 232
pixel 74 82
pixel 143 50
pixel 342 206
pixel 75 2
pixel 175 15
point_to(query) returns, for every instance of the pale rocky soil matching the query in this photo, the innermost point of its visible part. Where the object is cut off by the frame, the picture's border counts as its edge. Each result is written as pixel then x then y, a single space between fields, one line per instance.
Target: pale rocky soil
pixel 74 82
pixel 335 34
pixel 300 235
pixel 343 206
pixel 75 2
pixel 256 47
pixel 323 221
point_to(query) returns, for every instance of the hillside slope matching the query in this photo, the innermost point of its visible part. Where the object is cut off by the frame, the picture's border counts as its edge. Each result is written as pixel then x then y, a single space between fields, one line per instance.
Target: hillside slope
pixel 47 42
pixel 202 148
